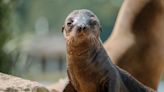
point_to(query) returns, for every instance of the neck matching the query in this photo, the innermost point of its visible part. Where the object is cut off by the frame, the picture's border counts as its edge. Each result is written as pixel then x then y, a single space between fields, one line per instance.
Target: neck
pixel 86 61
pixel 141 34
pixel 138 22
pixel 81 54
pixel 144 19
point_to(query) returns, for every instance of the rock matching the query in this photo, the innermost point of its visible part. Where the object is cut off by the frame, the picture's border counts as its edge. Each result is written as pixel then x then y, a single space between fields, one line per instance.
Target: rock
pixel 59 86
pixel 9 83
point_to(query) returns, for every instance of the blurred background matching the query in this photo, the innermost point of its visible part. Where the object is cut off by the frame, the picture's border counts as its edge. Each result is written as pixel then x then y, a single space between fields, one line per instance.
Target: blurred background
pixel 31 43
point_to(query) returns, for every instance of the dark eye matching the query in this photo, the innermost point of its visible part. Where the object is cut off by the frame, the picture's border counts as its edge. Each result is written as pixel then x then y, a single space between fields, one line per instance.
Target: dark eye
pixel 92 15
pixel 92 22
pixel 69 23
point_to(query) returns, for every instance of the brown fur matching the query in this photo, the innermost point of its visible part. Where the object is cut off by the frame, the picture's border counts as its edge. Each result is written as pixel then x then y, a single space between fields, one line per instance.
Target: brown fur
pixel 137 42
pixel 89 66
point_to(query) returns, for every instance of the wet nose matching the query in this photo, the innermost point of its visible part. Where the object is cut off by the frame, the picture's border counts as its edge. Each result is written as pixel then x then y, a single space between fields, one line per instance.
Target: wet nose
pixel 81 28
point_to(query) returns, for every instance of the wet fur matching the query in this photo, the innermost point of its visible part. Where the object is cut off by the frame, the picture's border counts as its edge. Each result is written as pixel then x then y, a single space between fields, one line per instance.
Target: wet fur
pixel 90 68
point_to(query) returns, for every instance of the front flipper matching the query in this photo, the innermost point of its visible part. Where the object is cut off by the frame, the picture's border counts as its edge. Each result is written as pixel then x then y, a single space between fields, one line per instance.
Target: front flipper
pixel 69 88
pixel 112 86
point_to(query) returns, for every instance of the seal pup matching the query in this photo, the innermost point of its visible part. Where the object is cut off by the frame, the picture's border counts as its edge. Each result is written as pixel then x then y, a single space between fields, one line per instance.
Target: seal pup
pixel 137 41
pixel 89 67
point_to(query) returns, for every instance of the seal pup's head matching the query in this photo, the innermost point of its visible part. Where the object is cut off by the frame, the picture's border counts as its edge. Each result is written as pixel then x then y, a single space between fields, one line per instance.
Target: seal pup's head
pixel 81 26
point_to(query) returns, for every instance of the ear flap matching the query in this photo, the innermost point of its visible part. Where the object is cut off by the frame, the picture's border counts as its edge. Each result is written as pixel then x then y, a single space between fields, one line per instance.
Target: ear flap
pixel 100 29
pixel 62 28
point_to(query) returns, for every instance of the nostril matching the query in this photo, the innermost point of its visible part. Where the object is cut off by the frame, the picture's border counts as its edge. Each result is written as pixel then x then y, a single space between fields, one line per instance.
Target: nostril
pixel 79 29
pixel 84 28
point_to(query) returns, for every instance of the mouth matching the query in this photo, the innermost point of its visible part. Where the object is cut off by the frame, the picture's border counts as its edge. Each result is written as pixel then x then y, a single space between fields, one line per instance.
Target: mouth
pixel 79 35
pixel 76 41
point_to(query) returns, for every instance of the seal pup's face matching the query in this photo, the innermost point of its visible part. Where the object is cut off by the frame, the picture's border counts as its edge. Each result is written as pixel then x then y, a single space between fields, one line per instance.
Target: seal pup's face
pixel 81 26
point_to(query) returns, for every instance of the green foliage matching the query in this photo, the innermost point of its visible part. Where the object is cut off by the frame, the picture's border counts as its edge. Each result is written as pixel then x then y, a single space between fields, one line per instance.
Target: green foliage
pixel 5 64
pixel 3 16
pixel 5 60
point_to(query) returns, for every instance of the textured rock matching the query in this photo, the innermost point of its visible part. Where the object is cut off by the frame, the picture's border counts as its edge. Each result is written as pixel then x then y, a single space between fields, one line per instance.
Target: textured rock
pixel 10 83
pixel 59 86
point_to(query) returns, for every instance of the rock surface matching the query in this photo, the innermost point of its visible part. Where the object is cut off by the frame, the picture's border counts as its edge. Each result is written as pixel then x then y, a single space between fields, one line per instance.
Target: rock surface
pixel 10 83
pixel 59 86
